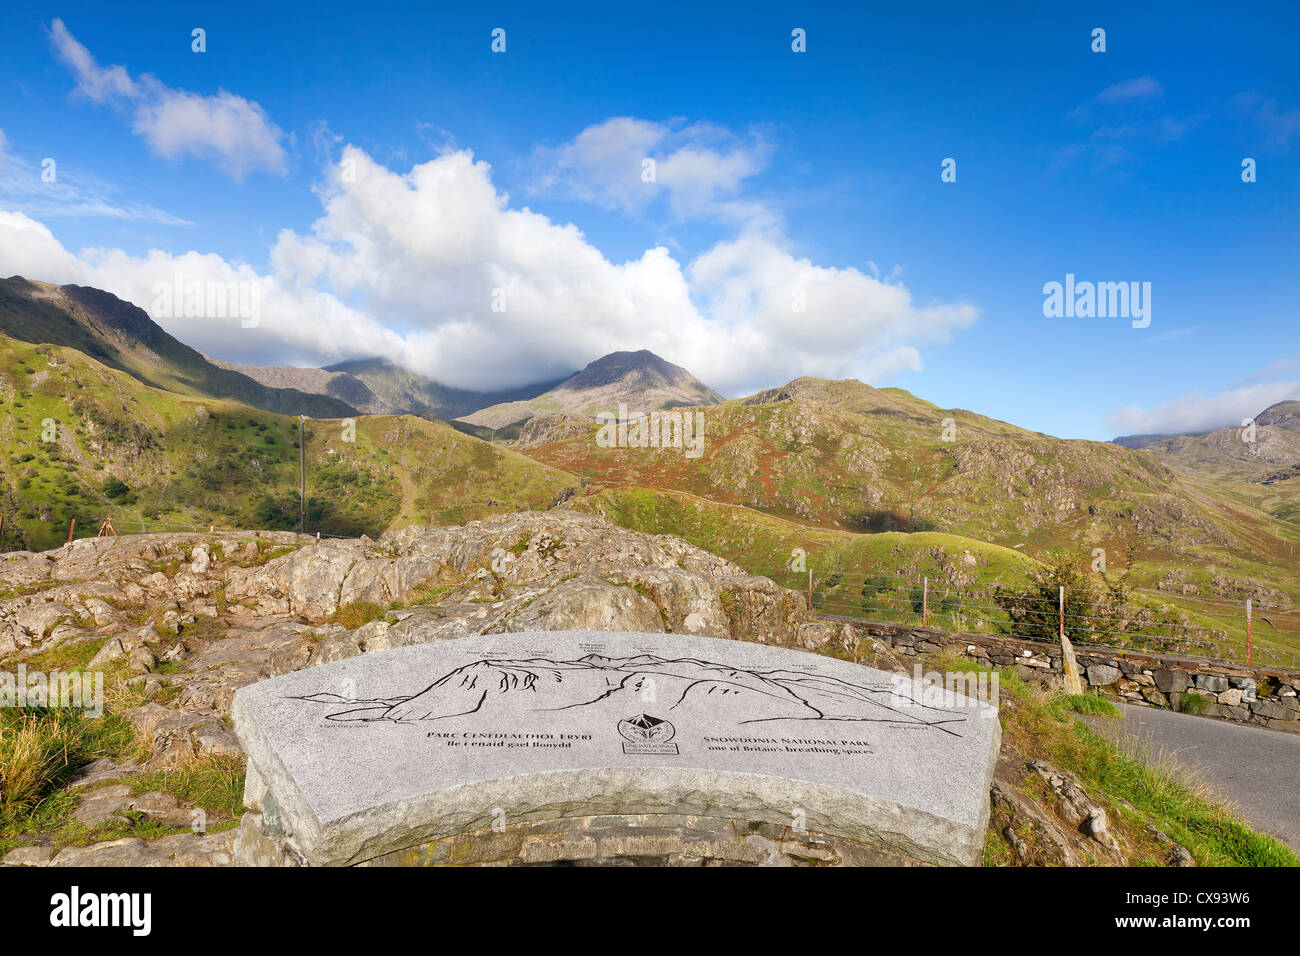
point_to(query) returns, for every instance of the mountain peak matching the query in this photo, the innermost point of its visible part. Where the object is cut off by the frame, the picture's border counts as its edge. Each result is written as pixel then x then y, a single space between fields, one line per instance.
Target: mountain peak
pixel 642 367
pixel 848 391
pixel 1281 415
pixel 639 379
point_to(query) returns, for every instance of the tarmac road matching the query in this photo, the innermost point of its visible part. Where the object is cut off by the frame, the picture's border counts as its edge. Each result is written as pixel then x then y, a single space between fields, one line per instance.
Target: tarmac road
pixel 1258 770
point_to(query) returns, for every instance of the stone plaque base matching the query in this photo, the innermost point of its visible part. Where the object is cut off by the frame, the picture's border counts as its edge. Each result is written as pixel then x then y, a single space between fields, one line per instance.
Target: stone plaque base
pixel 637 840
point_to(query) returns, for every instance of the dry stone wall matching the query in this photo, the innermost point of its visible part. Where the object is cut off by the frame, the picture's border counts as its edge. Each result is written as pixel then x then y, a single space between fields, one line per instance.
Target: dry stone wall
pixel 1249 695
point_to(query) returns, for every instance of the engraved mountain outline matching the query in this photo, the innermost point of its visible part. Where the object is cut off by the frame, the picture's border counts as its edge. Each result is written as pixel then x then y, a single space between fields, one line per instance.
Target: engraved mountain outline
pixel 747 695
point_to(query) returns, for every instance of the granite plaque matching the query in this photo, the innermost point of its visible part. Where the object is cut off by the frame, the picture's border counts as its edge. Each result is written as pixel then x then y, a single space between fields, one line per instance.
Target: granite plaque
pixel 384 751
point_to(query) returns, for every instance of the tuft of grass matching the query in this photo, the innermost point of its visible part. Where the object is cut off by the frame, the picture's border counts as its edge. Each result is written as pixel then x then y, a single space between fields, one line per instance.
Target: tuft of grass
pixel 1090 705
pixel 68 656
pixel 1193 703
pixel 430 592
pixel 1009 678
pixel 353 615
pixel 39 751
pixel 213 782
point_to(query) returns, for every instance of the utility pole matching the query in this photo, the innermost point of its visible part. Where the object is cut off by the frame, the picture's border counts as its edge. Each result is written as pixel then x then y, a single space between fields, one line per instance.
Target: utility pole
pixel 1061 605
pixel 302 473
pixel 1249 636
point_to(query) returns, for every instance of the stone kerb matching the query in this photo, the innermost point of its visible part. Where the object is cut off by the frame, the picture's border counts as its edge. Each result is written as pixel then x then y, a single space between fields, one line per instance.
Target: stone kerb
pixel 693 748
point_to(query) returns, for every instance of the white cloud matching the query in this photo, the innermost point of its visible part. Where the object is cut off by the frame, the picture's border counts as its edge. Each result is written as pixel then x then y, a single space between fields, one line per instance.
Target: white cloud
pixel 409 264
pixel 234 132
pixel 28 248
pixel 1138 88
pixel 1197 412
pixel 74 192
pixel 698 169
pixel 1278 127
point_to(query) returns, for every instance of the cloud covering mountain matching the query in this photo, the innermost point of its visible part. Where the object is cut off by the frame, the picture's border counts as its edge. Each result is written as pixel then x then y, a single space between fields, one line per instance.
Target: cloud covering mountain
pixel 433 269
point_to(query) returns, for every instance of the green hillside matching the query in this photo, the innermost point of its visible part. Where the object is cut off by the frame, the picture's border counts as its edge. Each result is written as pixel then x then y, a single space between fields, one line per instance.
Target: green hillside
pixel 123 337
pixel 847 457
pixel 153 460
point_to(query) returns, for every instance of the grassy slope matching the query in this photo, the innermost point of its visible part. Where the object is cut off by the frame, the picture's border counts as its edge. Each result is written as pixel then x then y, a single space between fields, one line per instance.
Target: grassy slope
pixel 192 462
pixel 844 456
pixel 765 543
pixel 121 336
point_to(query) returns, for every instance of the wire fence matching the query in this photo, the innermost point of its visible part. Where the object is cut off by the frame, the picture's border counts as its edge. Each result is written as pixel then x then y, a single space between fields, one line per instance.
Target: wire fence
pixel 1154 621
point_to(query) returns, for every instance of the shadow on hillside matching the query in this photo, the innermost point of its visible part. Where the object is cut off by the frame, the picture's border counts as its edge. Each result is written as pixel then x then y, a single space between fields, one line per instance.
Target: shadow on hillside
pixel 875 522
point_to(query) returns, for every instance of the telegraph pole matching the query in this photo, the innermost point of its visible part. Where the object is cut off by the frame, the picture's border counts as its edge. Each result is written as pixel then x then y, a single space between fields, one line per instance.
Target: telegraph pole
pixel 302 473
pixel 1249 641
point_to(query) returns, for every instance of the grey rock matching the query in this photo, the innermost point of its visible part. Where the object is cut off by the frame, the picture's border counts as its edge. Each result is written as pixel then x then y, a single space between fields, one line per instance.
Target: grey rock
pixel 1102 675
pixel 163 808
pixel 28 856
pixel 589 603
pixel 102 770
pixel 217 739
pixel 1211 682
pixel 1272 709
pixel 104 804
pixel 182 849
pixel 110 651
pixel 1171 681
pixel 142 660
pixel 1070 668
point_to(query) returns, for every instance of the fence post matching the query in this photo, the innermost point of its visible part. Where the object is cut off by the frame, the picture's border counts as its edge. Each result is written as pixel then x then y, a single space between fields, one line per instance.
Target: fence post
pixel 810 607
pixel 72 524
pixel 925 600
pixel 1249 636
pixel 1069 665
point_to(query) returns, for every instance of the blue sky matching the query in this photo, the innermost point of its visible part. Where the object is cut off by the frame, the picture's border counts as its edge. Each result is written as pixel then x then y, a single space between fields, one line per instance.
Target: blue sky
pixel 778 173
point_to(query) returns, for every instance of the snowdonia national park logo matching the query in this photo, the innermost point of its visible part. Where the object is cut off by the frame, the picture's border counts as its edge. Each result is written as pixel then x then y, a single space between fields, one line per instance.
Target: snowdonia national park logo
pixel 644 734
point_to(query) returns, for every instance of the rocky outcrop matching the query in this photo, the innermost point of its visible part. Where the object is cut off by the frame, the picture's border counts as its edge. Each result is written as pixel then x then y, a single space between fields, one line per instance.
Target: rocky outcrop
pixel 225 610
pixel 534 571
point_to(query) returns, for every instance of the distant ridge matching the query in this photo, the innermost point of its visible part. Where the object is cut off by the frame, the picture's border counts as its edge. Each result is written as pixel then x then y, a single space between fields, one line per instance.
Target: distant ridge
pixel 402 389
pixel 1272 456
pixel 641 380
pixel 315 381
